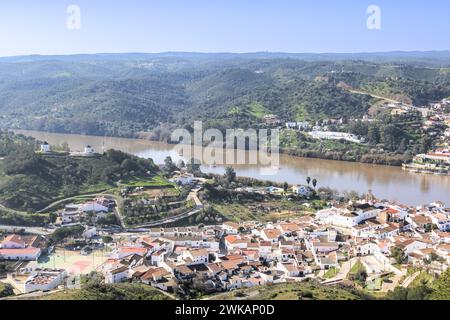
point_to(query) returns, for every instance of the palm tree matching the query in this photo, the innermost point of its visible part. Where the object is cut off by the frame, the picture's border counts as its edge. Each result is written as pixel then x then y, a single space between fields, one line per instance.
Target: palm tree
pixel 314 182
pixel 308 180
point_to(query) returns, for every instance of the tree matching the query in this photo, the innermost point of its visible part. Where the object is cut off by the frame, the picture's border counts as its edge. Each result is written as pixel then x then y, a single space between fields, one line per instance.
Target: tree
pixel 169 165
pixel 193 166
pixel 442 287
pixel 308 180
pixel 230 174
pixel 6 290
pixel 314 182
pixel 285 187
pixel 399 255
pixel 373 135
pixel 107 239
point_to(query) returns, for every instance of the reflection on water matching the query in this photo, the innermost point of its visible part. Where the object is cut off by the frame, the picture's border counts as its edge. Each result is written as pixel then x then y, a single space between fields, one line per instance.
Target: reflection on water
pixel 386 182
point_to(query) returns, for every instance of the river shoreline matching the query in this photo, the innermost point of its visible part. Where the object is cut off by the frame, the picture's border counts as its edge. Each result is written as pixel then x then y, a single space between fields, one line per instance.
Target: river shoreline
pixel 386 182
pixel 285 151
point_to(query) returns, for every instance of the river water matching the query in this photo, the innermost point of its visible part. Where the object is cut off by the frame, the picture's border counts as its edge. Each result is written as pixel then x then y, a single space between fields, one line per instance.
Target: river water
pixel 386 182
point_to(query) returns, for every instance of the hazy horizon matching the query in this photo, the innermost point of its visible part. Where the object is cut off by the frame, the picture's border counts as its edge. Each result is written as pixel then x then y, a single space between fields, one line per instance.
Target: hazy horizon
pixel 53 27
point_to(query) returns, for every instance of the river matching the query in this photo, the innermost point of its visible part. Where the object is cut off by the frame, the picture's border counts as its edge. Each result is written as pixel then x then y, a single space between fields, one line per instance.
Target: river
pixel 386 182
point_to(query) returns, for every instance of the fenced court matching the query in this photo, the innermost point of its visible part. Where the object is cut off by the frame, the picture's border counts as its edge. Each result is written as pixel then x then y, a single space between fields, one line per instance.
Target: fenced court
pixel 73 261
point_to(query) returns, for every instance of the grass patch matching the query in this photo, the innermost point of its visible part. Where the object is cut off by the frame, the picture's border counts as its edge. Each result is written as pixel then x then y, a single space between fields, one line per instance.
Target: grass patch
pixel 123 291
pixel 307 290
pixel 331 273
pixel 151 182
pixel 257 110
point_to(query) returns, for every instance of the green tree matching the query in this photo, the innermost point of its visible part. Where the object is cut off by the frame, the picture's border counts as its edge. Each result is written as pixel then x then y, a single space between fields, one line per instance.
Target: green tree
pixel 399 255
pixel 169 165
pixel 107 239
pixel 314 182
pixel 373 134
pixel 308 180
pixel 230 174
pixel 442 287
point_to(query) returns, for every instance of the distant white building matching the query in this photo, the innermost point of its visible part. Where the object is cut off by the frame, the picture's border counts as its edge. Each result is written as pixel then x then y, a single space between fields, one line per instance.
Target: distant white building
pixel 347 218
pixel 330 135
pixel 37 280
pixel 116 275
pixel 184 179
pixel 297 125
pixel 45 147
pixel 88 150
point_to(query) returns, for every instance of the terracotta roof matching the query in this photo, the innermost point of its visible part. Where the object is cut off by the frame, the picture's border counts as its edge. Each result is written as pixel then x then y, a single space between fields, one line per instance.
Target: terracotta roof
pixel 157 272
pixel 132 250
pixel 231 238
pixel 27 251
pixel 272 233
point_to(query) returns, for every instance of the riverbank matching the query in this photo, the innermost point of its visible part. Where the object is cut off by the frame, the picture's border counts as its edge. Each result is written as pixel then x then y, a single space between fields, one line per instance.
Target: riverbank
pixel 386 159
pixel 386 182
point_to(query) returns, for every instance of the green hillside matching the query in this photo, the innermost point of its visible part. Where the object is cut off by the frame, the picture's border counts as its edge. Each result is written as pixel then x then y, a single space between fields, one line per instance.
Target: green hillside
pixel 122 95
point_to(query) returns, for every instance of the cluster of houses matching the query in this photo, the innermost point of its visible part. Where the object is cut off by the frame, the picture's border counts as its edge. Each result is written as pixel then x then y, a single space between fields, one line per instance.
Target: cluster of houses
pixel 72 214
pixel 224 257
pixel 437 161
pixel 422 232
pixel 233 255
pixel 21 248
pixel 299 190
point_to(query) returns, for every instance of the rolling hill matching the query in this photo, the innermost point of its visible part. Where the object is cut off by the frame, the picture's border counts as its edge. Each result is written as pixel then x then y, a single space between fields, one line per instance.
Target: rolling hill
pixel 124 94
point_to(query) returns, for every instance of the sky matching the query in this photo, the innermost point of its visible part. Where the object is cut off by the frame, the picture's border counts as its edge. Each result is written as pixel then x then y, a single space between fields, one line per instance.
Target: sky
pixel 297 26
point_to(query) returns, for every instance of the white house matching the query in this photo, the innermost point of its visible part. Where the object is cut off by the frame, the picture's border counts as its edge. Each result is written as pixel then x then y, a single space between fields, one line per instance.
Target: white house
pixel 195 256
pixel 88 150
pixel 230 227
pixel 14 241
pixel 366 248
pixel 442 220
pixel 116 275
pixel 289 269
pixel 271 235
pixel 157 258
pixel 25 254
pixel 233 242
pixel 37 279
pixel 45 147
pixel 184 179
pixel 90 232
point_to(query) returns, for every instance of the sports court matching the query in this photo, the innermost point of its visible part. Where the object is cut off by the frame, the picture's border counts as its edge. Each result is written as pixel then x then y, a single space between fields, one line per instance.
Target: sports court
pixel 73 261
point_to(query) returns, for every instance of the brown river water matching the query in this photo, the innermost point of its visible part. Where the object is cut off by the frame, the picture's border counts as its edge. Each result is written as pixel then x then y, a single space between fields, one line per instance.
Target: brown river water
pixel 386 182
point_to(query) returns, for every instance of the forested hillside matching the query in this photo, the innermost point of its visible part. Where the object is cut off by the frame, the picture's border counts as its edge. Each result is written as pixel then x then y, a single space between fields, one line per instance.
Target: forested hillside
pixel 30 181
pixel 122 95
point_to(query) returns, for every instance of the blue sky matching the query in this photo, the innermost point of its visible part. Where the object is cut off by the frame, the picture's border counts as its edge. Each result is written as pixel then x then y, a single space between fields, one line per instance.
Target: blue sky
pixel 39 27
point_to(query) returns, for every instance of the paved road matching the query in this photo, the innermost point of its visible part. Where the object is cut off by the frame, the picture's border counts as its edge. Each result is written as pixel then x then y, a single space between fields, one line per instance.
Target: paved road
pixel 343 271
pixel 378 97
pixel 410 279
pixel 165 220
pixel 57 203
pixel 32 230
pixel 192 196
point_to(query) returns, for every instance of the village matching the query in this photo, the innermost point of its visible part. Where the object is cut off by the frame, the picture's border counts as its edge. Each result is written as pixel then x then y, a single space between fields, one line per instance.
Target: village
pixel 434 115
pixel 372 244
